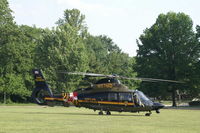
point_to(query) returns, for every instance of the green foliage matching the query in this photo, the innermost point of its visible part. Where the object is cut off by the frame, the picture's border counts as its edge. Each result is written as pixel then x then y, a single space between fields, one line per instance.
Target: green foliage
pixel 98 49
pixel 198 31
pixel 16 52
pixel 106 57
pixel 121 64
pixel 63 48
pixel 168 50
pixel 68 47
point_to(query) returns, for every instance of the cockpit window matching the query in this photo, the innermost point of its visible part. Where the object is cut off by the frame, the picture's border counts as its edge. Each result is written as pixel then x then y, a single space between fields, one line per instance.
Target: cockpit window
pixel 125 97
pixel 143 99
pixel 142 96
pixel 108 80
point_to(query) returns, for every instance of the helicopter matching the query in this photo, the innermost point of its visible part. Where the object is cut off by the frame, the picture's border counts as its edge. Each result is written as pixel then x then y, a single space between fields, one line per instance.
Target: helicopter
pixel 106 95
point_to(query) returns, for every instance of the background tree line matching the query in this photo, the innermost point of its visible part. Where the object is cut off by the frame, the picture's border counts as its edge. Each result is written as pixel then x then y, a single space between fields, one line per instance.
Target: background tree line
pixel 169 49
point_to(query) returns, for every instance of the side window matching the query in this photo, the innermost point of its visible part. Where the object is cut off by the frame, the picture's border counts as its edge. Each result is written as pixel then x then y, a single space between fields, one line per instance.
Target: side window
pixel 112 97
pixel 125 97
pixel 100 96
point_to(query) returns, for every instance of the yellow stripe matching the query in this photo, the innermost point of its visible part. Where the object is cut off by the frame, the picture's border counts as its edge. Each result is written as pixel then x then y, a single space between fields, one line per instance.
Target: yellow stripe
pixel 51 98
pixel 93 101
pixel 106 102
pixel 39 79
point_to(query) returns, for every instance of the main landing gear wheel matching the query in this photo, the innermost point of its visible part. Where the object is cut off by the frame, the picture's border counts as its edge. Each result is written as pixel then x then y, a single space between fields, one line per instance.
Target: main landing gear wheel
pixel 148 114
pixel 108 113
pixel 100 113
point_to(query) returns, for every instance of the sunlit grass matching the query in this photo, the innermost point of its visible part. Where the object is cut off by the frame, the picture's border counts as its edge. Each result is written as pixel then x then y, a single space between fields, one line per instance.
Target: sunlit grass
pixel 18 104
pixel 38 119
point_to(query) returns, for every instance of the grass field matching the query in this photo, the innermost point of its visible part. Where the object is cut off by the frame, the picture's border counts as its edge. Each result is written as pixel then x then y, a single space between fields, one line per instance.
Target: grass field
pixel 38 119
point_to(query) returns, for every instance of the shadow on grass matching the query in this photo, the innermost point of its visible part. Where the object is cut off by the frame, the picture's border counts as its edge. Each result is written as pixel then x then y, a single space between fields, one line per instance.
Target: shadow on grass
pixel 83 114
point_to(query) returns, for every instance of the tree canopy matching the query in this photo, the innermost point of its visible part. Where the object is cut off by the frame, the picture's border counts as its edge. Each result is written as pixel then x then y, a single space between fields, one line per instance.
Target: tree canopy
pixel 168 49
pixel 68 47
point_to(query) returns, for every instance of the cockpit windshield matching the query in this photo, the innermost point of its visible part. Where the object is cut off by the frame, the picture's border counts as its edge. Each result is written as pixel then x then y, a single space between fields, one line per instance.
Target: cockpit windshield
pixel 142 99
pixel 142 96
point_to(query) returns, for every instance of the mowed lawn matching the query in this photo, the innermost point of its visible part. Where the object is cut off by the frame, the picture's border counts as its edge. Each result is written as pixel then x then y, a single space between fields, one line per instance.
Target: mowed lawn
pixel 38 119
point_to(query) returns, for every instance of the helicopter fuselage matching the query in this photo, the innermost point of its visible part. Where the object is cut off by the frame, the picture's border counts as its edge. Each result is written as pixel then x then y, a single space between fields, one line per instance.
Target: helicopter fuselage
pixel 114 97
pixel 108 94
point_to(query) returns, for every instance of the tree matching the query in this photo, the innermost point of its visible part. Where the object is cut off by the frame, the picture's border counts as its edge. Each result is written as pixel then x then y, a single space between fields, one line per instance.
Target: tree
pixel 6 23
pixel 17 61
pixel 6 33
pixel 98 49
pixel 107 58
pixel 120 63
pixel 75 19
pixel 62 48
pixel 6 18
pixel 198 32
pixel 68 47
pixel 17 44
pixel 168 50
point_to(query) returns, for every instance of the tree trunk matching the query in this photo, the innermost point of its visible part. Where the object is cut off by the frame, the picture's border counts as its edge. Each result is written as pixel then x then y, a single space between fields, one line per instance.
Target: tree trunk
pixel 173 97
pixel 4 97
pixel 173 77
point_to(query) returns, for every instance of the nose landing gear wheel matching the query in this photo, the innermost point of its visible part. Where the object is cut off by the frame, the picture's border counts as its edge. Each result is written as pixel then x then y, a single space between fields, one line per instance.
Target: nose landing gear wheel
pixel 157 111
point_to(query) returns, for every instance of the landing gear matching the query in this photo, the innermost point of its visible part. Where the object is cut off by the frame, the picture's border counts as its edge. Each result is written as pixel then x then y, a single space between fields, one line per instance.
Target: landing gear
pixel 148 114
pixel 108 113
pixel 157 111
pixel 101 113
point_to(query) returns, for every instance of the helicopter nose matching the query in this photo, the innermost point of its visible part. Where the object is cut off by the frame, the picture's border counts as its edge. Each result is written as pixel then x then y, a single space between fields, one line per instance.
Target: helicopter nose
pixel 158 106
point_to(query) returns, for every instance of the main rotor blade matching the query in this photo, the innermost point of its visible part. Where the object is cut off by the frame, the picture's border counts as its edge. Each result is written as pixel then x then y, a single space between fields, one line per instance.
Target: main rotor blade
pixel 86 74
pixel 152 80
pixel 122 77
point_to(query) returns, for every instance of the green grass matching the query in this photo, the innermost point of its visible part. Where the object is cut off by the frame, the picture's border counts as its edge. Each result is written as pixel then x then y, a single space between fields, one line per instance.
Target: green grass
pixel 18 104
pixel 165 102
pixel 38 119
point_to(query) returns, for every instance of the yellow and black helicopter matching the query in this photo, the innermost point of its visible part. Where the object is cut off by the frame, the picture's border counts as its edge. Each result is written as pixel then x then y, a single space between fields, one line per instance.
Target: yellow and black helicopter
pixel 107 94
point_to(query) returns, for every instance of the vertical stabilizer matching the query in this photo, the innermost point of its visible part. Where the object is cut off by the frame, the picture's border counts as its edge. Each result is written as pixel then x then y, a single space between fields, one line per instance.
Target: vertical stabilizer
pixel 41 88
